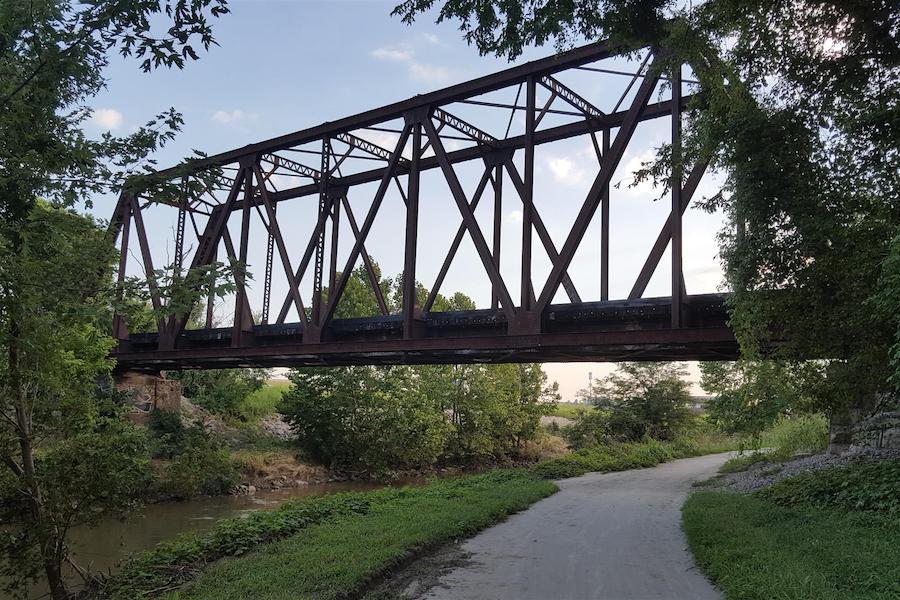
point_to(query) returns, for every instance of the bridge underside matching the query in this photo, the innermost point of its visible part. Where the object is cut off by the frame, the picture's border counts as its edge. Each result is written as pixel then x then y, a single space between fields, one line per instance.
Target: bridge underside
pixel 613 331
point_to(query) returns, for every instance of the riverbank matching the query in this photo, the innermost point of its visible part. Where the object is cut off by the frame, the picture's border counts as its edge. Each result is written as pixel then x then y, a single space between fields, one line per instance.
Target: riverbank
pixel 335 546
pixel 827 533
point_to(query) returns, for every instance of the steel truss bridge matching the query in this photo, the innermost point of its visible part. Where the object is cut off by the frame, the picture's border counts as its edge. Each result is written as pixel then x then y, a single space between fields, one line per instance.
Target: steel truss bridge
pixel 333 162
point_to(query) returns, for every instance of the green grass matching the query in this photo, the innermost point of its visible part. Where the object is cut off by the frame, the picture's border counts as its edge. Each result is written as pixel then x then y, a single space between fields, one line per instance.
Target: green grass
pixel 263 401
pixel 334 547
pixel 340 558
pixel 757 550
pixel 789 435
pixel 620 457
pixel 325 547
pixel 569 410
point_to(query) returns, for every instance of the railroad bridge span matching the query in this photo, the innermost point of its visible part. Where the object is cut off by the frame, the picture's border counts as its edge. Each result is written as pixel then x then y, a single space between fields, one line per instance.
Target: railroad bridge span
pixel 215 201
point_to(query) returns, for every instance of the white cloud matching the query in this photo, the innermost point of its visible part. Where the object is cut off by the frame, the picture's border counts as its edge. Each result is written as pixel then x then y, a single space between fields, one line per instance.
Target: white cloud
pixel 514 216
pixel 225 116
pixel 392 54
pixel 634 164
pixel 406 55
pixel 108 118
pixel 565 170
pixel 429 73
pixel 431 38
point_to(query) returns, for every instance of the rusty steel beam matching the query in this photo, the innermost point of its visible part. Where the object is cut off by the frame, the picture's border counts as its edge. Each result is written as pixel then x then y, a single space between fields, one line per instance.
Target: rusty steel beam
pixel 559 89
pixel 482 85
pixel 594 196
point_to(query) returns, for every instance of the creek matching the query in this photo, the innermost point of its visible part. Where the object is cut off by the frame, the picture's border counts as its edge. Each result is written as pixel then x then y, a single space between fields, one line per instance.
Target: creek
pixel 100 548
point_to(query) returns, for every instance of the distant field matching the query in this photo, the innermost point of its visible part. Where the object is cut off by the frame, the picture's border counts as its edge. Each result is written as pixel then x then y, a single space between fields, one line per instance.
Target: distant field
pixel 569 410
pixel 264 401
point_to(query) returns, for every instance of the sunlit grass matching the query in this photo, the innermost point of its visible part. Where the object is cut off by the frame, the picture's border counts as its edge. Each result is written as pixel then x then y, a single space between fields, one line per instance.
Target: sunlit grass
pixel 263 402
pixel 569 410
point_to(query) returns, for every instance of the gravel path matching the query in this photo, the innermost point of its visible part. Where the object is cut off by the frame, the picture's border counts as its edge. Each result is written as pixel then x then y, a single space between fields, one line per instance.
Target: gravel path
pixel 614 536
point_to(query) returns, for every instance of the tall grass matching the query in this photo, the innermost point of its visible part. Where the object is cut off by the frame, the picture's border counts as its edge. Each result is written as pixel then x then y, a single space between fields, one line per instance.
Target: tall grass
pixel 790 435
pixel 782 441
pixel 263 402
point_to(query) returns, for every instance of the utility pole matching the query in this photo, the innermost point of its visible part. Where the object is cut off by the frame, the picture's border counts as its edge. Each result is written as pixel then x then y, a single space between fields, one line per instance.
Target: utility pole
pixel 590 397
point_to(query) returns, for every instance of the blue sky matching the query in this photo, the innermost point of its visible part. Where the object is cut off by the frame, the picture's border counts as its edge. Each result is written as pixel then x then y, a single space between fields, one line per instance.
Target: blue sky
pixel 283 66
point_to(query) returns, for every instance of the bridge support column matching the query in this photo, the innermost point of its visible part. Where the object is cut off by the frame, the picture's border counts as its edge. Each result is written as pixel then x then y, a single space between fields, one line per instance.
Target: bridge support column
pixel 145 393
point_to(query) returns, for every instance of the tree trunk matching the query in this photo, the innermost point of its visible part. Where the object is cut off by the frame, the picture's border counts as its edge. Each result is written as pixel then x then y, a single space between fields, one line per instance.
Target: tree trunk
pixel 48 542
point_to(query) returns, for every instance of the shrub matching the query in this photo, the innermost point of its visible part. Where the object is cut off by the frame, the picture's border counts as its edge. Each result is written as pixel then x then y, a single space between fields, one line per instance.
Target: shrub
pixel 199 470
pixel 220 391
pixel 860 486
pixel 789 435
pixel 378 419
pixel 170 437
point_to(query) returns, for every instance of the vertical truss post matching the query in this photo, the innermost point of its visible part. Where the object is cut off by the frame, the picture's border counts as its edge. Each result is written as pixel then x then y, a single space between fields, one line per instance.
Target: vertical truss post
pixel 120 329
pixel 604 229
pixel 335 200
pixel 267 282
pixel 242 320
pixel 412 224
pixel 527 297
pixel 498 218
pixel 211 297
pixel 313 333
pixel 677 176
pixel 179 230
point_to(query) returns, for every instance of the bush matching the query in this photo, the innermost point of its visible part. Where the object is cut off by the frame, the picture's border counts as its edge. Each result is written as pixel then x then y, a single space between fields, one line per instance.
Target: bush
pixel 859 486
pixel 606 458
pixel 170 437
pixel 199 470
pixel 638 401
pixel 378 419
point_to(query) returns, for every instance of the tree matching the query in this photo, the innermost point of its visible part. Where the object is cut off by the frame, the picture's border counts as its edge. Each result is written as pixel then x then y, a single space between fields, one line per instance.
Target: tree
pixel 364 419
pixel 749 396
pixel 66 459
pixel 55 267
pixel 800 108
pixel 645 400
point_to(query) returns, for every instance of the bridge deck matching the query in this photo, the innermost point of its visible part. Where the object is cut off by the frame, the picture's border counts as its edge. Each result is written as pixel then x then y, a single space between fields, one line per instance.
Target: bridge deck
pixel 590 331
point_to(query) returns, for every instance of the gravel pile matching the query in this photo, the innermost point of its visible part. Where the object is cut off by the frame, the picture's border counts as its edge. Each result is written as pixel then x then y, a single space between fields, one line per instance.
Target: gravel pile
pixel 764 474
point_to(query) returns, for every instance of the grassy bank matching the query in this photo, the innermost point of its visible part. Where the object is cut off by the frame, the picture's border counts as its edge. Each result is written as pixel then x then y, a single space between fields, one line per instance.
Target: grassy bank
pixel 620 457
pixel 263 402
pixel 334 546
pixel 825 535
pixel 324 547
pixel 754 549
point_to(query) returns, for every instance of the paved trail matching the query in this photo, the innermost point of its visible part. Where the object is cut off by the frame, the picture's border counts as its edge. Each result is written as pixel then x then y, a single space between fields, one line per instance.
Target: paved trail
pixel 614 536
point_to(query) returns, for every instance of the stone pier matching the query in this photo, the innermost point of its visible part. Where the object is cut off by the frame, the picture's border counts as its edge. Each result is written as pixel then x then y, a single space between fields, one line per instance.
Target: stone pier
pixel 146 393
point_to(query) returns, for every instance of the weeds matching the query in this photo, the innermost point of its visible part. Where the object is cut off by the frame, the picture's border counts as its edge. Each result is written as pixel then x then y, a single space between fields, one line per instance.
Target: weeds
pixel 860 486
